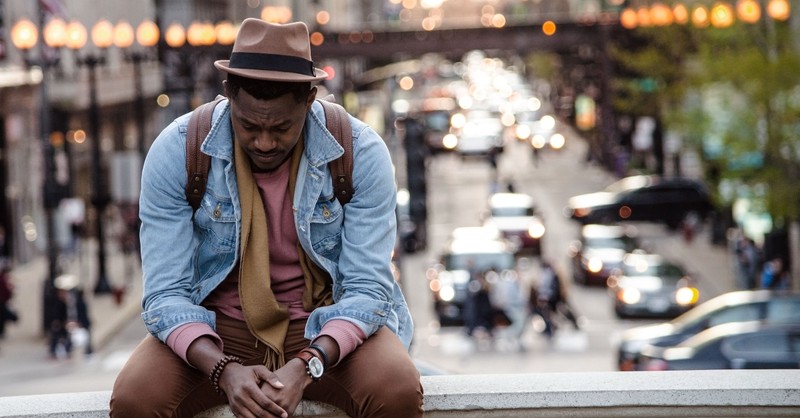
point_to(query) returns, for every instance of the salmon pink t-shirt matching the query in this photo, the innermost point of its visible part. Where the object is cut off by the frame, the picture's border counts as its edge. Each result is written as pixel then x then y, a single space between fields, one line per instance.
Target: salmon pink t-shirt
pixel 286 275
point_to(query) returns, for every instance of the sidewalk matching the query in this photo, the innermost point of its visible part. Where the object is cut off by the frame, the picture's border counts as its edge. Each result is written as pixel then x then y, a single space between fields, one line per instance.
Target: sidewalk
pixel 25 346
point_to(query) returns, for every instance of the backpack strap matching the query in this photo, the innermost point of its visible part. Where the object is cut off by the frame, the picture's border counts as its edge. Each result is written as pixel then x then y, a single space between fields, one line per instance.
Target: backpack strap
pixel 197 163
pixel 338 123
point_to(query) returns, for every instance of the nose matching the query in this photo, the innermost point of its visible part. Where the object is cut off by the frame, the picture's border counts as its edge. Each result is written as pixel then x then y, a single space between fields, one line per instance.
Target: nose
pixel 263 141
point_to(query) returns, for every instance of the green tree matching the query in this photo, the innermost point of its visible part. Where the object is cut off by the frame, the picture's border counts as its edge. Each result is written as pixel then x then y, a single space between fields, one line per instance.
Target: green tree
pixel 649 78
pixel 760 65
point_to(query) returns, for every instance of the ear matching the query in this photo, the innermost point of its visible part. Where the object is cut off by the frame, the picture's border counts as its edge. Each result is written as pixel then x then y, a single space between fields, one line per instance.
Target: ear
pixel 312 95
pixel 225 88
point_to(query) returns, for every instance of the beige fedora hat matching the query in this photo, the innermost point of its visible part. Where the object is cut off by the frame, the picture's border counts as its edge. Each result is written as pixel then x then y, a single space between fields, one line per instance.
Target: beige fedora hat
pixel 270 51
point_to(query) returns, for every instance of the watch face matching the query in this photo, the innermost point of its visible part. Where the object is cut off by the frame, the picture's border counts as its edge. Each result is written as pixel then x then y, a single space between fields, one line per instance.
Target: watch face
pixel 315 367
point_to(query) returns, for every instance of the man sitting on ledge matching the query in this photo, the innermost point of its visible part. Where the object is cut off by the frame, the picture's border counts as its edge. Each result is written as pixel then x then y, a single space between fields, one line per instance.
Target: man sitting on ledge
pixel 272 291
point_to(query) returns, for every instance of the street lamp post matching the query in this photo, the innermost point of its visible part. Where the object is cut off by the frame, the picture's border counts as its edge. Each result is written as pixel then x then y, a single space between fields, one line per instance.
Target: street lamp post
pixel 24 36
pixel 147 34
pixel 102 35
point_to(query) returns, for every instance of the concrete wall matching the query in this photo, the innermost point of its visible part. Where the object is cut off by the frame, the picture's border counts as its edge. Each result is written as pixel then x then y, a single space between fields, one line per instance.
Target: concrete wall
pixel 713 393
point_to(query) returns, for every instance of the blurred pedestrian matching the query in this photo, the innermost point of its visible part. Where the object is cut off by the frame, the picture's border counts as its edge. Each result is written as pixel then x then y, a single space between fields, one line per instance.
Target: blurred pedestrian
pixel 509 296
pixel 552 299
pixel 747 263
pixel 7 311
pixel 59 341
pixel 478 309
pixel 774 275
pixel 79 316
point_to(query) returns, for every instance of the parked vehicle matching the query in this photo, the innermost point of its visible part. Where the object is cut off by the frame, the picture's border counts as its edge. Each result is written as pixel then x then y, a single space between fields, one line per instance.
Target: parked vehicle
pixel 643 198
pixel 650 285
pixel 514 215
pixel 735 345
pixel 739 306
pixel 448 279
pixel 599 250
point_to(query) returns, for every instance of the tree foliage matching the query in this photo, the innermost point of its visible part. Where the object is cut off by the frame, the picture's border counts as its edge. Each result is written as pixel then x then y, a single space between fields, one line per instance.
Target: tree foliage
pixel 732 93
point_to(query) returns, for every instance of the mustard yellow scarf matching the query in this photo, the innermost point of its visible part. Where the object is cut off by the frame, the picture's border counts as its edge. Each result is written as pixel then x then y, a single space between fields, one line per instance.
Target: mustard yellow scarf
pixel 266 319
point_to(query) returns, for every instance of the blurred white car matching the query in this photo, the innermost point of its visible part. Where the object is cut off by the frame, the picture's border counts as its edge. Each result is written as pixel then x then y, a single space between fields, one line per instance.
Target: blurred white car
pixel 514 215
pixel 481 134
pixel 539 132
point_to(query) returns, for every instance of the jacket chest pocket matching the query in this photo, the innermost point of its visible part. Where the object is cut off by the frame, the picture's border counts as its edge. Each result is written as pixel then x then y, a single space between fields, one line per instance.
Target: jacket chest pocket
pixel 326 228
pixel 215 222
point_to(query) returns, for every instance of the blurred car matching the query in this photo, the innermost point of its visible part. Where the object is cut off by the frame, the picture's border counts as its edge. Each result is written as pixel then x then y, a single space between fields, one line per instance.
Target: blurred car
pixel 735 345
pixel 514 215
pixel 643 198
pixel 739 306
pixel 481 134
pixel 539 132
pixel 448 279
pixel 650 285
pixel 599 250
pixel 436 113
pixel 476 233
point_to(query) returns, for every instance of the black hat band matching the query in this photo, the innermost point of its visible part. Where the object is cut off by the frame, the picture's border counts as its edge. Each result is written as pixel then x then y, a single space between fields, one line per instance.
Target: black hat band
pixel 271 62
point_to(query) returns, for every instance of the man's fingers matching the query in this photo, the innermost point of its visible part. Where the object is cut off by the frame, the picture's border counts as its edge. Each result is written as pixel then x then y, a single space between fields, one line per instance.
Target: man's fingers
pixel 270 378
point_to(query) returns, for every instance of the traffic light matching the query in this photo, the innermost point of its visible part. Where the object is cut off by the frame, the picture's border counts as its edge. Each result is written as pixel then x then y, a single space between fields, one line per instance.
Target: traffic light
pixel 416 154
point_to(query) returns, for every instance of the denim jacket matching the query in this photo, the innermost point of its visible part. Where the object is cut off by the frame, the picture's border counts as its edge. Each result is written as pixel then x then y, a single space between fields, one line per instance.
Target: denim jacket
pixel 185 257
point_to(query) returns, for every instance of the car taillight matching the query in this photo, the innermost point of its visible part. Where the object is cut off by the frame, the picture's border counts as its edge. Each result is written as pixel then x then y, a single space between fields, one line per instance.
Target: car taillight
pixel 627 365
pixel 581 212
pixel 655 365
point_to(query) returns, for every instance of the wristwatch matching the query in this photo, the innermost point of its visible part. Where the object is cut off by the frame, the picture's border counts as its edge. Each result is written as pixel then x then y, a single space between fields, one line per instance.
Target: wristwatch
pixel 314 366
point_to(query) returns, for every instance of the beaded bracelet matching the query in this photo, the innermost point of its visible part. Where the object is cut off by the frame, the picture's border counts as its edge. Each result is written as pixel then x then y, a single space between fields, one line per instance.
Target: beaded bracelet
pixel 216 371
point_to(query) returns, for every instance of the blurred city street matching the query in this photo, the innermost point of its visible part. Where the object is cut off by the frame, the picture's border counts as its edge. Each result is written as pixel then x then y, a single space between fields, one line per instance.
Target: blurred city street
pixel 553 100
pixel 26 369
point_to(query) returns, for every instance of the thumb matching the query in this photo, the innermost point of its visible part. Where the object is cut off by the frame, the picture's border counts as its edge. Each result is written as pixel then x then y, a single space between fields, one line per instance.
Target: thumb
pixel 267 376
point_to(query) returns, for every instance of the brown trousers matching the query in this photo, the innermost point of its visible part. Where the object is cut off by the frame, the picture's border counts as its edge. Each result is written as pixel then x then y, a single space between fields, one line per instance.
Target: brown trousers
pixel 378 379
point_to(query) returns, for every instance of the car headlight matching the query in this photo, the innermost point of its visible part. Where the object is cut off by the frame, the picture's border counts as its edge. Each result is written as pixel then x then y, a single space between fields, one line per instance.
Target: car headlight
pixel 536 230
pixel 450 141
pixel 523 132
pixel 629 295
pixel 447 293
pixel 594 264
pixel 557 141
pixel 538 141
pixel 687 296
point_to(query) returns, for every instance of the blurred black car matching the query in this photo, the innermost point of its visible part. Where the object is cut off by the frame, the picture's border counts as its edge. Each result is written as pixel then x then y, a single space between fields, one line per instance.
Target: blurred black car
pixel 643 198
pixel 735 345
pixel 740 306
pixel 514 215
pixel 448 279
pixel 650 285
pixel 599 250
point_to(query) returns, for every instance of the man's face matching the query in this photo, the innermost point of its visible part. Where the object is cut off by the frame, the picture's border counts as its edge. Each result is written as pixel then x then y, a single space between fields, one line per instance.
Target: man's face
pixel 267 130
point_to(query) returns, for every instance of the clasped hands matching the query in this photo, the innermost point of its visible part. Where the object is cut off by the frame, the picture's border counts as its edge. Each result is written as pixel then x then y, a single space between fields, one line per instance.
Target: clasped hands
pixel 255 391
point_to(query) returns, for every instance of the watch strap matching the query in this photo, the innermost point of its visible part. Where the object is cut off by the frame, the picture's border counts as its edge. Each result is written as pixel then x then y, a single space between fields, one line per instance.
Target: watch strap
pixel 306 355
pixel 323 355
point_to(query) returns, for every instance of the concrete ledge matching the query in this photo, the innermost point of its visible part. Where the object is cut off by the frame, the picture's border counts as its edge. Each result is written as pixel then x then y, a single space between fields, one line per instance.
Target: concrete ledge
pixel 712 393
